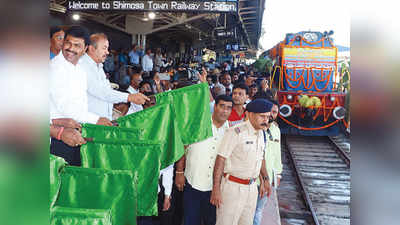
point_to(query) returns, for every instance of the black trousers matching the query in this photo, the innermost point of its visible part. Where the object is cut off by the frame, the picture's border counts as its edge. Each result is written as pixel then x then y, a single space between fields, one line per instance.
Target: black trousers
pixel 198 207
pixel 177 202
pixel 72 155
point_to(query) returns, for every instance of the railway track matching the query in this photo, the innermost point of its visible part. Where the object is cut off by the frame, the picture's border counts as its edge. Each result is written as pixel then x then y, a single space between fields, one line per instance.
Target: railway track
pixel 315 188
pixel 343 142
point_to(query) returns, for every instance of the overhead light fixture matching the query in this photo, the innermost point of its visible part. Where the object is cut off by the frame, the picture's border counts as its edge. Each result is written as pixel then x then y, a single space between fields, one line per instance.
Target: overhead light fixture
pixel 151 15
pixel 76 17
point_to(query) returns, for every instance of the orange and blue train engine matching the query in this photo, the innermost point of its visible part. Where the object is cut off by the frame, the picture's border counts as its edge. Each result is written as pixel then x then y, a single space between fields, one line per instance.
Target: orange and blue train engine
pixel 306 77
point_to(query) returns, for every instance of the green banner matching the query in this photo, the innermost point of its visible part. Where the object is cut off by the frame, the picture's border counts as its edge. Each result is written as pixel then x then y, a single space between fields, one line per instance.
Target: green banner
pixel 79 216
pixel 141 157
pixel 159 124
pixel 192 111
pixel 112 190
pixel 98 132
pixel 56 164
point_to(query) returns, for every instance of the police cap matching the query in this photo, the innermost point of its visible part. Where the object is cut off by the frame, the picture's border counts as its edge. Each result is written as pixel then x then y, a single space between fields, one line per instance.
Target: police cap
pixel 259 106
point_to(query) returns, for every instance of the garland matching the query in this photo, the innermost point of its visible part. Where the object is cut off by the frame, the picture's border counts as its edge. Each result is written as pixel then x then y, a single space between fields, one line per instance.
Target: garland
pixel 301 80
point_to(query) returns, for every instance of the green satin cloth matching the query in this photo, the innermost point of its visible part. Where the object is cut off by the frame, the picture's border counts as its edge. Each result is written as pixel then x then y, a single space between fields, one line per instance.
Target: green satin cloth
pixel 141 157
pixel 159 124
pixel 56 164
pixel 98 132
pixel 79 216
pixel 192 111
pixel 88 188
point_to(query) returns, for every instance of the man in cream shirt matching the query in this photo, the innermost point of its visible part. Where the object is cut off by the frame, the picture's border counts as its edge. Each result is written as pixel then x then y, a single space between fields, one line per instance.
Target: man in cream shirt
pixel 197 165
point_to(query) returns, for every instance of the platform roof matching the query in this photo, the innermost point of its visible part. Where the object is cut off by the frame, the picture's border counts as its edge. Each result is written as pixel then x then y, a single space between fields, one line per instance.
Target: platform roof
pixel 245 22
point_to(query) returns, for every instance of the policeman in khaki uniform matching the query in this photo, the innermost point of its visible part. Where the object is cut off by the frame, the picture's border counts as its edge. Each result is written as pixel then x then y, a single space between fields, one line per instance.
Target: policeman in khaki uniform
pixel 239 163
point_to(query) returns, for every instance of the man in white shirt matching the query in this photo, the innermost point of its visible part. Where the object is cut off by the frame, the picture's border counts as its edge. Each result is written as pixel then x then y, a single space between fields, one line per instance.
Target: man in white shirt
pixel 197 166
pixel 101 96
pixel 147 61
pixel 164 197
pixel 68 86
pixel 136 79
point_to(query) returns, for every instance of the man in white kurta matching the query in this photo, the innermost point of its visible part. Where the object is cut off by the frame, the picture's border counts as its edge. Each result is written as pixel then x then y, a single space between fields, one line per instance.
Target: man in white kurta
pixel 101 96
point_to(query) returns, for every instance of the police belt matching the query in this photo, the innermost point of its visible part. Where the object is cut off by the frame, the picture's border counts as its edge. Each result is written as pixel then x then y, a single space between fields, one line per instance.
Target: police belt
pixel 239 180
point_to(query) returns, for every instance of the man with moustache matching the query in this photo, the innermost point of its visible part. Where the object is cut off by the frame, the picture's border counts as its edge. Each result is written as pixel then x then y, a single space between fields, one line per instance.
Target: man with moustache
pixel 101 96
pixel 68 86
pixel 240 94
pixel 226 81
pixel 240 162
pixel 197 166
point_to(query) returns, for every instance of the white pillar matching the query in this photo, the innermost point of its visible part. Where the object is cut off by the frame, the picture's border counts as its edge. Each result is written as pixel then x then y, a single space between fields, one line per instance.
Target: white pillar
pixel 144 41
pixel 134 39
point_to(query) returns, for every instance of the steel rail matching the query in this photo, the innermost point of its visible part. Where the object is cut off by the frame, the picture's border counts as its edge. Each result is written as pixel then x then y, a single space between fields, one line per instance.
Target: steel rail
pixel 342 154
pixel 305 194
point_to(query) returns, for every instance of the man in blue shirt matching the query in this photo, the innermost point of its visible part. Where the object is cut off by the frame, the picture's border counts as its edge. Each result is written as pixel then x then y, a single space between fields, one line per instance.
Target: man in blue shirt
pixel 135 54
pixel 122 58
pixel 109 67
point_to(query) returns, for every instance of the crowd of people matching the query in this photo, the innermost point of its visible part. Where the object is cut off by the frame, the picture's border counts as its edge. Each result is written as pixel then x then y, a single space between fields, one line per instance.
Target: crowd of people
pixel 218 180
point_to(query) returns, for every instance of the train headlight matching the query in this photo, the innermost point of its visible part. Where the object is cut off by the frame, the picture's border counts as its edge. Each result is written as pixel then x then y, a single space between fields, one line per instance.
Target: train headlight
pixel 333 98
pixel 339 112
pixel 310 37
pixel 285 110
pixel 289 97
